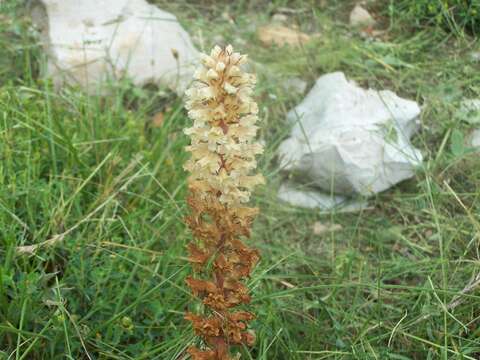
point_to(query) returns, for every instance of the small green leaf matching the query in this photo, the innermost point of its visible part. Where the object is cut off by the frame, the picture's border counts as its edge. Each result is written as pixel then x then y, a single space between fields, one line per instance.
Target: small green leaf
pixel 457 143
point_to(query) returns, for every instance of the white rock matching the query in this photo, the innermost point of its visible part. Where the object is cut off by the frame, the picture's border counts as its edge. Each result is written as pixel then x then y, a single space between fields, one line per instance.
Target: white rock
pixel 91 41
pixel 360 17
pixel 475 138
pixel 280 18
pixel 312 199
pixel 475 56
pixel 348 140
pixel 469 111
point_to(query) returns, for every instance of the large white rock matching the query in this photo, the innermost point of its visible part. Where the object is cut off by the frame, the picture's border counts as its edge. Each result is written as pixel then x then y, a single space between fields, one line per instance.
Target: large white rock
pixel 309 198
pixel 91 41
pixel 347 140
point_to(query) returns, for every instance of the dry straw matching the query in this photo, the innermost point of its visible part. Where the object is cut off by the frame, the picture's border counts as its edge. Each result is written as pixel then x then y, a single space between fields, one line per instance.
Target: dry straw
pixel 223 151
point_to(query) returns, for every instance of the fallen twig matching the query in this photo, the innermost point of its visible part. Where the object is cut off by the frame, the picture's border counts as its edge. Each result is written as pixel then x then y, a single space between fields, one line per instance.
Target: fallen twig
pixel 458 299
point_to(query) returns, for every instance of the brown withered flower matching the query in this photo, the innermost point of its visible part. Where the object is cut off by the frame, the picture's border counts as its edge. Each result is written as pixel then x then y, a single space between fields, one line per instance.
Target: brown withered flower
pixel 223 151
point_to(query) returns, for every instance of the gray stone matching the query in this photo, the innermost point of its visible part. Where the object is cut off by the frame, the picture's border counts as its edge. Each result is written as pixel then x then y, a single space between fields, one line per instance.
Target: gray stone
pixel 475 56
pixel 350 141
pixel 475 138
pixel 280 18
pixel 313 199
pixel 469 111
pixel 91 41
pixel 361 17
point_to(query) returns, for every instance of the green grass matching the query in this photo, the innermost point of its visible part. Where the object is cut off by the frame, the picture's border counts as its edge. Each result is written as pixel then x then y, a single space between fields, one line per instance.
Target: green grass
pixel 455 15
pixel 95 175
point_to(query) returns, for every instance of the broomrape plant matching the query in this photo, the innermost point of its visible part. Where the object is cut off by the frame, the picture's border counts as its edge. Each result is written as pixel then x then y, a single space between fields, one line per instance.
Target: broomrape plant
pixel 223 151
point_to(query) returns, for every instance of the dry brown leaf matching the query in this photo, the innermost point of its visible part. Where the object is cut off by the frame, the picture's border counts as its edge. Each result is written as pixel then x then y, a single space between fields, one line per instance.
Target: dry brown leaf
pixel 372 33
pixel 281 36
pixel 157 119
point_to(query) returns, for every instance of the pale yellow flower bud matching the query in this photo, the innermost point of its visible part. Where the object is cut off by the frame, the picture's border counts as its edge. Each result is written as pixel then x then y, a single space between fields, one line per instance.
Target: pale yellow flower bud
pixel 212 74
pixel 222 135
pixel 216 51
pixel 220 67
pixel 229 88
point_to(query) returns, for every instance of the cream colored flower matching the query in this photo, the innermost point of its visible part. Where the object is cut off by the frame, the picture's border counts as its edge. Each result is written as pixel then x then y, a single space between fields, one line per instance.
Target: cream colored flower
pixel 223 146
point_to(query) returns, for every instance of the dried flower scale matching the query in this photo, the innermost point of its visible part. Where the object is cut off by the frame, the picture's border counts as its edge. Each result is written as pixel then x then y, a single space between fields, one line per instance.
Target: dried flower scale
pixel 223 151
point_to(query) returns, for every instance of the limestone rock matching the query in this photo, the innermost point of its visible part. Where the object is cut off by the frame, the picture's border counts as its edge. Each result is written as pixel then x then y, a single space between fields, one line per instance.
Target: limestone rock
pixel 469 111
pixel 350 141
pixel 280 18
pixel 89 42
pixel 359 16
pixel 475 139
pixel 475 56
pixel 313 199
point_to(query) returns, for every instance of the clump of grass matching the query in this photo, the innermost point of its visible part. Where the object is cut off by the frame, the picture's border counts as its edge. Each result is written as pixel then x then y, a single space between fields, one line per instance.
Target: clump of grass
pixel 455 15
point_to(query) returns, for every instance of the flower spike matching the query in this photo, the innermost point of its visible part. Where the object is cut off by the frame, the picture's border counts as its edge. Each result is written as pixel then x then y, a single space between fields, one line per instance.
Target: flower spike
pixel 223 151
